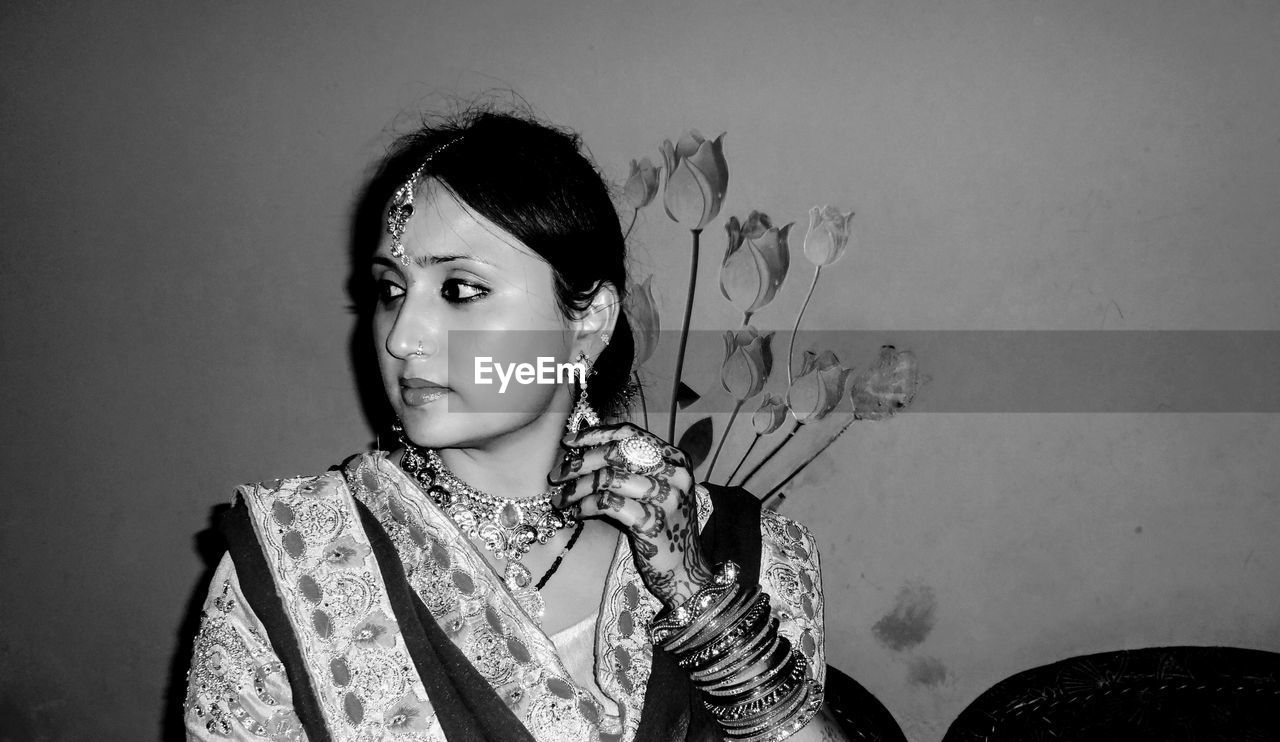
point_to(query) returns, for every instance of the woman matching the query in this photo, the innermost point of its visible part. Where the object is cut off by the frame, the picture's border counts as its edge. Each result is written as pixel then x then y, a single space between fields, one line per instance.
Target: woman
pixel 395 597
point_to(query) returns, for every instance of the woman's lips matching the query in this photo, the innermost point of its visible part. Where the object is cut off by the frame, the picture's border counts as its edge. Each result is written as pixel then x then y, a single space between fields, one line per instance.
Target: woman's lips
pixel 418 392
pixel 419 396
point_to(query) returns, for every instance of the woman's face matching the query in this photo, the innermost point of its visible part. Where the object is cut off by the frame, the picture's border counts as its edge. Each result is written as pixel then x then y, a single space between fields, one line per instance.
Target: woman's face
pixel 468 276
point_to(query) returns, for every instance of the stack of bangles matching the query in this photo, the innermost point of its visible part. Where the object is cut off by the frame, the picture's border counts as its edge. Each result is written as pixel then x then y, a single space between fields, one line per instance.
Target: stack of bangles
pixel 755 685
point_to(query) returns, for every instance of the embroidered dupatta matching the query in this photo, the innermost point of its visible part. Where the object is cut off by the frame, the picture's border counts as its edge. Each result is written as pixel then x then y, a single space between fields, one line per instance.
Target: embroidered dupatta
pixel 390 624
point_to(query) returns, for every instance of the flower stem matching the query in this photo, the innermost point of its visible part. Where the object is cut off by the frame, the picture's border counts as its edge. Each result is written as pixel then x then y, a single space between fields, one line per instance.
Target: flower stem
pixel 644 407
pixel 743 460
pixel 684 336
pixel 723 437
pixel 746 318
pixel 795 427
pixel 634 213
pixel 778 487
pixel 791 349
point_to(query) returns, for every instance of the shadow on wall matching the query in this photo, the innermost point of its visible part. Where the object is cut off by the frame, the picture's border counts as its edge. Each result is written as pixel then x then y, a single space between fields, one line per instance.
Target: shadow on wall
pixel 210 546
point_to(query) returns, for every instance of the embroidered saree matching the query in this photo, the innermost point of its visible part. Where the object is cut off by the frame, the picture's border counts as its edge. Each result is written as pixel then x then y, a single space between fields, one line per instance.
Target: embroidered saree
pixel 350 607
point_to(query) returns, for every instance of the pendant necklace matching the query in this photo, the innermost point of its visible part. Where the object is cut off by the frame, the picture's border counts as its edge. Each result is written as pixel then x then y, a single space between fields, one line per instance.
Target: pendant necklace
pixel 508 528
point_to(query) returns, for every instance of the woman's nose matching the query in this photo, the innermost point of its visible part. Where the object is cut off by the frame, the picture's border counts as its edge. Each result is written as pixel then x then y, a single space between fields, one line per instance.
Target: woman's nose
pixel 412 335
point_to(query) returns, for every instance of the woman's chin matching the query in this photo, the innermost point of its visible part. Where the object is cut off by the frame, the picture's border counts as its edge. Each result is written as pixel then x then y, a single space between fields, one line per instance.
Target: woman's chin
pixel 433 426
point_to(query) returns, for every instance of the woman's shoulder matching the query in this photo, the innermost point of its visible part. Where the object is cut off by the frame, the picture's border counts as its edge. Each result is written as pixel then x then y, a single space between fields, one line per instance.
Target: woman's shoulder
pixel 331 481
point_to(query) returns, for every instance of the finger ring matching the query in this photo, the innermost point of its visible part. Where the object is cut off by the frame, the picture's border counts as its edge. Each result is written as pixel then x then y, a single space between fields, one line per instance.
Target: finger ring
pixel 640 454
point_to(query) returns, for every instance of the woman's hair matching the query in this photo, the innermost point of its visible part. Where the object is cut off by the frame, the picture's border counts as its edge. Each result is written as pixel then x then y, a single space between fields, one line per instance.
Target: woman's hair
pixel 534 181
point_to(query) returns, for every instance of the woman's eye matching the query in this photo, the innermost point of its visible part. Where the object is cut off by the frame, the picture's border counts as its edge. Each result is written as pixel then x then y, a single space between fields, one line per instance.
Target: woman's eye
pixel 388 291
pixel 461 292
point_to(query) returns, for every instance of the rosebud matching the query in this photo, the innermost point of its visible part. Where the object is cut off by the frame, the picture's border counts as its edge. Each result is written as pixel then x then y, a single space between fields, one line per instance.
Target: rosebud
pixel 772 412
pixel 642 313
pixel 818 388
pixel 642 184
pixel 747 362
pixel 887 386
pixel 755 262
pixel 828 235
pixel 697 178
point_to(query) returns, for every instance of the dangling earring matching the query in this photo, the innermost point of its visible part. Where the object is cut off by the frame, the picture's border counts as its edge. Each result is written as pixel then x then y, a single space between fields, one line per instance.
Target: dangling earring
pixel 582 411
pixel 412 456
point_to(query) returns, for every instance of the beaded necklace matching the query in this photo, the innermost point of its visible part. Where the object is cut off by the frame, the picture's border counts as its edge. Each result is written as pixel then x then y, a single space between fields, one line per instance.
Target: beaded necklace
pixel 507 528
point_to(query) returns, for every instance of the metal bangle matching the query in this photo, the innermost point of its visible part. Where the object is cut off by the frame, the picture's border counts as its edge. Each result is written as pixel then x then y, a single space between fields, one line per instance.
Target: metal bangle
pixel 733 643
pixel 742 721
pixel 772 722
pixel 732 639
pixel 776 702
pixel 717 625
pixel 671 625
pixel 699 636
pixel 757 665
pixel 769 695
pixel 734 665
pixel 761 699
pixel 774 663
pixel 721 601
pixel 772 715
pixel 764 696
pixel 801 717
pixel 731 664
pixel 677 621
pixel 746 681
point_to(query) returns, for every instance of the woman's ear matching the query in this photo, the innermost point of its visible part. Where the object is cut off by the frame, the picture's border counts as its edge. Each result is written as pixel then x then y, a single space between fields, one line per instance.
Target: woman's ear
pixel 599 317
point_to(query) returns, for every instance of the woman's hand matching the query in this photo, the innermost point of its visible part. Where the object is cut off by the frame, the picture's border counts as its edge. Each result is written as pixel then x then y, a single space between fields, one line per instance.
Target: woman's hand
pixel 656 508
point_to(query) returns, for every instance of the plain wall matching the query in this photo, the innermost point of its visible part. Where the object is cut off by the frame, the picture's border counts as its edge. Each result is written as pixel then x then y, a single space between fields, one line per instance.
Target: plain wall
pixel 175 196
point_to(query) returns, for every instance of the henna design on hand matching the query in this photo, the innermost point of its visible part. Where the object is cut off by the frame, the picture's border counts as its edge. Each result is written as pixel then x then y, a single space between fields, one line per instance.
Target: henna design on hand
pixel 673 455
pixel 606 500
pixel 657 509
pixel 658 492
pixel 658 517
pixel 646 550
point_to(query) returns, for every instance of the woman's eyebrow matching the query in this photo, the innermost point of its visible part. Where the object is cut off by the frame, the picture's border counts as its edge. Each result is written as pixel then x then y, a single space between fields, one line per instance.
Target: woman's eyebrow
pixel 423 261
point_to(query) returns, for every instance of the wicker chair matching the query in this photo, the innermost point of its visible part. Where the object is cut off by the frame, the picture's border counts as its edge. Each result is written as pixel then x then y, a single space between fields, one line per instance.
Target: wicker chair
pixel 861 715
pixel 1169 694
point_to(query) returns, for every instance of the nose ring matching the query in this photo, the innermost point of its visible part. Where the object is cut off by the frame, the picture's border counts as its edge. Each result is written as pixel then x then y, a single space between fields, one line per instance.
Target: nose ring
pixel 418 352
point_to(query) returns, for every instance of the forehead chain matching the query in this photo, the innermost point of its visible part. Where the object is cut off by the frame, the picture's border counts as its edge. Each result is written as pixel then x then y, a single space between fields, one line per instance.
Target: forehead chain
pixel 402 204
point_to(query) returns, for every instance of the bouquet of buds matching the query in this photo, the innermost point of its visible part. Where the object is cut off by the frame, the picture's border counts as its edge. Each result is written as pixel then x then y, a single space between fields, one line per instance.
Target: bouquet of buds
pixel 693 180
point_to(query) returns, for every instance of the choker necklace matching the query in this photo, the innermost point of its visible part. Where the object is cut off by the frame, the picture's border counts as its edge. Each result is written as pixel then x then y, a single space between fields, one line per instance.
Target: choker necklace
pixel 507 528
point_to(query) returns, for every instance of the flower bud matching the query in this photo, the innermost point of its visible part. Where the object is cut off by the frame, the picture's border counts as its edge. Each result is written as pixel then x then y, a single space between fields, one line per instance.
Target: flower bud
pixel 748 360
pixel 816 391
pixel 697 178
pixel 772 412
pixel 642 184
pixel 887 386
pixel 642 313
pixel 828 235
pixel 755 262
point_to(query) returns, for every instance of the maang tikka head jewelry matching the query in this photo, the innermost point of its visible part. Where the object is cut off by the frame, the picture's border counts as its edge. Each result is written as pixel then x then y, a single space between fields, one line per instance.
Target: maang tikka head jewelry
pixel 399 213
pixel 402 204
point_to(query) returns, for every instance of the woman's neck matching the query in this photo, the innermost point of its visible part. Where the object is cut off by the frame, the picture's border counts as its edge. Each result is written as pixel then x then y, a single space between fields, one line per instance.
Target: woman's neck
pixel 512 466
